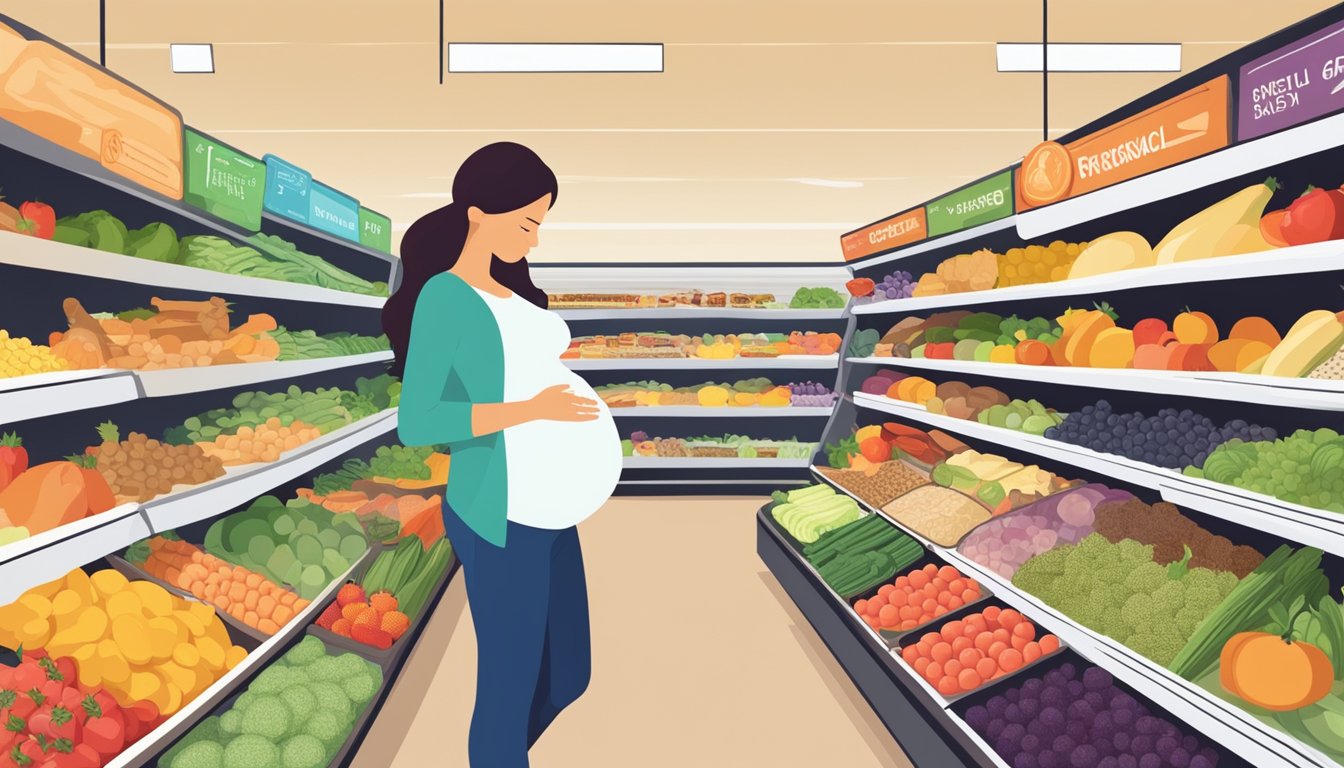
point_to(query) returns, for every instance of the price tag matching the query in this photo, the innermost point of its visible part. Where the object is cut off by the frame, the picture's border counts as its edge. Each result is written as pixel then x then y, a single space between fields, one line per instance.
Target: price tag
pixel 375 230
pixel 223 181
pixel 891 232
pixel 980 203
pixel 333 212
pixel 287 188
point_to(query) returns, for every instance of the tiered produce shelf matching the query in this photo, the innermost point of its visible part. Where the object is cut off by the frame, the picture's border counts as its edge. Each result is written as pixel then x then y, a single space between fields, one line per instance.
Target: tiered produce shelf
pixel 790 362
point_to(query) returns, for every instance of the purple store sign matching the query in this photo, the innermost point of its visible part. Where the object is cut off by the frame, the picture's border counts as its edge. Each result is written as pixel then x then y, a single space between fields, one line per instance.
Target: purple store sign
pixel 1298 82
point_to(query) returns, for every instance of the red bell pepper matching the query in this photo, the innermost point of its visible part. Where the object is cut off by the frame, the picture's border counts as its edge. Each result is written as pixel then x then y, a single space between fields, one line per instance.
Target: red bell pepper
pixel 13 459
pixel 39 220
pixel 1316 216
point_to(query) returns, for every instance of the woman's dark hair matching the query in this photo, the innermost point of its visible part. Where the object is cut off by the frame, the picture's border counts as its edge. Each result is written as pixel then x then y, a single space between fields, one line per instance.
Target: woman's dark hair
pixel 496 178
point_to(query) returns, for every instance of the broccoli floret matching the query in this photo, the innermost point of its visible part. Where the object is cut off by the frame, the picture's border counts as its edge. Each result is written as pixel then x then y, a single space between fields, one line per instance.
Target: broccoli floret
pixel 304 751
pixel 309 650
pixel 244 701
pixel 1146 578
pixel 1134 552
pixel 231 722
pixel 360 688
pixel 251 751
pixel 273 679
pixel 1137 612
pixel 350 666
pixel 202 754
pixel 332 698
pixel 326 727
pixel 326 669
pixel 268 716
pixel 1187 619
pixel 300 701
pixel 1161 644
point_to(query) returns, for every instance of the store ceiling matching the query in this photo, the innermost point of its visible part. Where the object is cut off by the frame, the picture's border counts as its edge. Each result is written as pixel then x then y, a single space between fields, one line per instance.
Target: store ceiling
pixel 774 128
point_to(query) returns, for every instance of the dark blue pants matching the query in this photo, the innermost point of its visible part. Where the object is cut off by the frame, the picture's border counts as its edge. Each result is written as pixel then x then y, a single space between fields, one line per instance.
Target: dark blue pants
pixel 529 603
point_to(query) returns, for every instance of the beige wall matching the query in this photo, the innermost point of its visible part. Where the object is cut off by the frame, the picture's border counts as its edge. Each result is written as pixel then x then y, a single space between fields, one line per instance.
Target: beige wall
pixel 903 100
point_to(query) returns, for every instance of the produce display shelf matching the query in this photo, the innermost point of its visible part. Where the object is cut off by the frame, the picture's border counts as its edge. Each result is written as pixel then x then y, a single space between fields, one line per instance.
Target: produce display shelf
pixel 1223 723
pixel 699 363
pixel 51 554
pixel 927 732
pixel 1242 388
pixel 654 462
pixel 1236 160
pixel 1303 259
pixel 36 253
pixel 720 412
pixel 144 751
pixel 1313 527
pixel 242 484
pixel 180 381
pixel 924 246
pixel 48 394
pixel 698 313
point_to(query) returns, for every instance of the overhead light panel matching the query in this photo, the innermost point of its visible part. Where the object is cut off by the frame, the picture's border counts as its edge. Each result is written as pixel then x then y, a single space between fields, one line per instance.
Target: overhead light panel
pixel 554 57
pixel 193 58
pixel 1091 57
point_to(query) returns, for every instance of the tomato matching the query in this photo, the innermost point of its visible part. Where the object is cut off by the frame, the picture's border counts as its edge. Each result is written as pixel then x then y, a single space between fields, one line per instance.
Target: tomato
pixel 38 219
pixel 860 286
pixel 1316 216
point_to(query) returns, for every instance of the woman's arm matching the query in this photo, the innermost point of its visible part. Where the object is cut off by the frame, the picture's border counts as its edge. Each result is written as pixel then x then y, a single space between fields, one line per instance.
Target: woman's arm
pixel 554 403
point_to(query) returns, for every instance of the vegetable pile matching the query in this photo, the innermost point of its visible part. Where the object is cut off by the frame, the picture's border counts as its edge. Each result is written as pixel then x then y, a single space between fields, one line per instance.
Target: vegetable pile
pixel 19 356
pixel 917 598
pixel 296 714
pixel 46 496
pixel 807 513
pixel 1005 543
pixel 716 447
pixel 977 648
pixel 1302 468
pixel 140 467
pixel 861 554
pixel 817 298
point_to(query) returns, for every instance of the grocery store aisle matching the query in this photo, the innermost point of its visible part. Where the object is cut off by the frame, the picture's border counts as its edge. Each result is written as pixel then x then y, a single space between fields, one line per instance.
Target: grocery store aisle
pixel 699 659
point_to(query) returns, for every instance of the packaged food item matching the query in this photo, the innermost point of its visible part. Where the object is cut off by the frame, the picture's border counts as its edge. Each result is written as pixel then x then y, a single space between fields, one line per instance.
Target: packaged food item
pixel 940 515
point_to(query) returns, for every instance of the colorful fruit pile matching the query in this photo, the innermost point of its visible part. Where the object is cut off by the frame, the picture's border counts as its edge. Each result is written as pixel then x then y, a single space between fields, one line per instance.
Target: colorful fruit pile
pixel 1092 338
pixel 856 556
pixel 300 546
pixel 917 598
pixel 296 714
pixel 960 400
pixel 140 468
pixel 1172 439
pixel 1063 718
pixel 968 652
pixel 998 484
pixel 899 284
pixel 744 393
pixel 52 720
pixel 985 269
pixel 372 620
pixel 264 443
pixel 409 572
pixel 807 513
pixel 133 638
pixel 1302 468
pixel 245 595
pixel 707 347
pixel 711 447
pixel 1005 543
pixel 47 496
pixel 1118 590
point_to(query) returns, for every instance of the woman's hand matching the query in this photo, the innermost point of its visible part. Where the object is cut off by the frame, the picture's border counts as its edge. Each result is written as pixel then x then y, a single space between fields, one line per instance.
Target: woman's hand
pixel 558 403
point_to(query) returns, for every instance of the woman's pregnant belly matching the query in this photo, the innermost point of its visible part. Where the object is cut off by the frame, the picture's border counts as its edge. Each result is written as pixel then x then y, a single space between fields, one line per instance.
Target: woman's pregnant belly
pixel 561 472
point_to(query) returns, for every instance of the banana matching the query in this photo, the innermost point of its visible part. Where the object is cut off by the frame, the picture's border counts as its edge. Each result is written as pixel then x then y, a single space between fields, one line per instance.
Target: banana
pixel 1228 227
pixel 1313 338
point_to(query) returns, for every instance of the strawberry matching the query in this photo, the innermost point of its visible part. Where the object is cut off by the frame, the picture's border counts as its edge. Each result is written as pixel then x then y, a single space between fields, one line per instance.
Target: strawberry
pixel 371 635
pixel 395 623
pixel 329 616
pixel 350 593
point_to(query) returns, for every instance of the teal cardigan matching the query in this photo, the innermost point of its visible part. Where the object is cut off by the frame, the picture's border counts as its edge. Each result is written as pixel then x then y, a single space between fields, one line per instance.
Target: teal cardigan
pixel 456 359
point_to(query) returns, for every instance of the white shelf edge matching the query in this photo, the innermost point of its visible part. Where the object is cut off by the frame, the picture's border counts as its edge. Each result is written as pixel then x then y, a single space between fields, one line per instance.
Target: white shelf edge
pixel 1302 259
pixel 49 255
pixel 242 484
pixel 696 313
pixel 72 394
pixel 1230 162
pixel 1304 525
pixel 653 462
pixel 1322 395
pixel 177 381
pixel 48 555
pixel 933 244
pixel 697 363
pixel 151 744
pixel 720 412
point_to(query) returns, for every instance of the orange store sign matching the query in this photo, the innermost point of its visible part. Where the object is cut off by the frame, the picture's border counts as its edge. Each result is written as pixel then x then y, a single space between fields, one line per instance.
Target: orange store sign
pixel 891 232
pixel 1183 127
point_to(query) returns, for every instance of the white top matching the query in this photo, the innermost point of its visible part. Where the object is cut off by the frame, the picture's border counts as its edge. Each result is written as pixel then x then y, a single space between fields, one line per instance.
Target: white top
pixel 560 472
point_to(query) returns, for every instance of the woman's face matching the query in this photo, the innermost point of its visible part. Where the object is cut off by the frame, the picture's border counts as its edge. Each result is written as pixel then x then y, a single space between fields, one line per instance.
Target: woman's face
pixel 512 234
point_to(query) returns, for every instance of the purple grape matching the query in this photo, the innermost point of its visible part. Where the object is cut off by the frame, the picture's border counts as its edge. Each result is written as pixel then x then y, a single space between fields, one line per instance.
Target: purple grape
pixel 1179 758
pixel 1150 760
pixel 1025 759
pixel 977 717
pixel 1084 756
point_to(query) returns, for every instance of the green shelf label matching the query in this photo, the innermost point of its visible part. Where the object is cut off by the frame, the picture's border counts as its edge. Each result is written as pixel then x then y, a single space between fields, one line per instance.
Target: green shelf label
pixel 375 230
pixel 223 181
pixel 980 203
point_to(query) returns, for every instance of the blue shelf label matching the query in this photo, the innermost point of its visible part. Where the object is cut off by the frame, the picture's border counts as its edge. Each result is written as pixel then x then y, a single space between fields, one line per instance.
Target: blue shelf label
pixel 333 212
pixel 287 188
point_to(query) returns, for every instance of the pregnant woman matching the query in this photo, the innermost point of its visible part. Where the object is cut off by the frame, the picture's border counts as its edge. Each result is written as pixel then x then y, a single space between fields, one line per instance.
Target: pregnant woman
pixel 534 450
